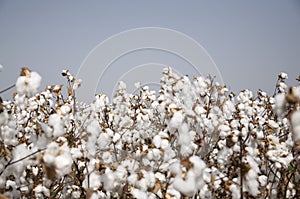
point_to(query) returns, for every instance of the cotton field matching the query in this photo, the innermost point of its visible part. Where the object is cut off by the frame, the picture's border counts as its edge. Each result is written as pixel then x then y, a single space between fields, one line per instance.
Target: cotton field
pixel 192 139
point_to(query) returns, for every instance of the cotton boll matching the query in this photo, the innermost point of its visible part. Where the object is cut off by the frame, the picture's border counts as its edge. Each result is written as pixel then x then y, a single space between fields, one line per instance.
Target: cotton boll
pixel 235 191
pixel 139 194
pixel 28 85
pixel 19 152
pixel 273 124
pixel 41 191
pixel 175 168
pixel 76 84
pixel 1 68
pixel 283 75
pixel 295 120
pixel 176 120
pixel 296 92
pixel 95 180
pixel 103 141
pixel 108 180
pixel 57 124
pixel 262 180
pixel 187 187
pixel 76 153
pixel 280 103
pixel 296 133
pixel 157 141
pixel 252 183
pixel 101 101
pixel 94 128
pixel 50 153
pixel 107 157
pixel 116 137
pixel 199 110
pixel 65 109
pixel 3 118
pixel 63 162
pixel 184 140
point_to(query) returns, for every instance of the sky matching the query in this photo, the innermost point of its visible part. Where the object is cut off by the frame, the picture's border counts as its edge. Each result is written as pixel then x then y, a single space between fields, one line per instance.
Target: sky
pixel 250 42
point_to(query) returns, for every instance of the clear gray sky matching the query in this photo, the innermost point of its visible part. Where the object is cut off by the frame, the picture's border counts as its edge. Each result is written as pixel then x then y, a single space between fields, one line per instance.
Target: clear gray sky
pixel 250 41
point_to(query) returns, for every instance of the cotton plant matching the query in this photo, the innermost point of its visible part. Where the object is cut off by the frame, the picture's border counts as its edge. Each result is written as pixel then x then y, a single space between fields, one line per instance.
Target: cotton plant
pixel 191 139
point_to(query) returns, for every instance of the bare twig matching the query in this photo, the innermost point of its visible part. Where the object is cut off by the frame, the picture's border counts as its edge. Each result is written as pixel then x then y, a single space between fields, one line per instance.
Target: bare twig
pixel 19 160
pixel 8 88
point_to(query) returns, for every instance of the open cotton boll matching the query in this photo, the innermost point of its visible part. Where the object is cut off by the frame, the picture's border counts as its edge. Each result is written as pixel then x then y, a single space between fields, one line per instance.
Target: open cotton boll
pixel 295 120
pixel 50 154
pixel 28 85
pixel 41 191
pixel 63 162
pixel 58 126
pixel 1 68
pixel 187 186
pixel 65 109
pixel 19 152
pixel 94 181
pixel 235 191
pixel 252 182
pixel 184 140
pixel 139 194
pixel 176 120
pixel 283 75
pixel 3 118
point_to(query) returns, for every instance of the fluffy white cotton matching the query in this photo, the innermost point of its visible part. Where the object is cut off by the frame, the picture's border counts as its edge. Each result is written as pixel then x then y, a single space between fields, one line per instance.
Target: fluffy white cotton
pixel 1 68
pixel 19 152
pixel 252 182
pixel 108 180
pixel 3 118
pixel 95 181
pixel 283 75
pixel 295 120
pixel 176 120
pixel 28 85
pixel 235 191
pixel 184 140
pixel 193 180
pixel 65 109
pixel 51 152
pixel 139 194
pixel 76 153
pixel 63 162
pixel 57 124
pixel 101 101
pixel 262 180
pixel 187 186
pixel 296 92
pixel 41 191
pixel 157 141
pixel 103 141
pixel 273 124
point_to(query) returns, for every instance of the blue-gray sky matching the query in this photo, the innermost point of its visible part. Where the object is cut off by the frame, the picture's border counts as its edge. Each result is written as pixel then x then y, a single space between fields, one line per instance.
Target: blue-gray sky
pixel 250 42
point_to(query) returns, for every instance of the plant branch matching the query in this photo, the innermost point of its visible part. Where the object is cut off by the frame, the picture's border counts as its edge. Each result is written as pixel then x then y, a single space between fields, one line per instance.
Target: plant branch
pixel 8 88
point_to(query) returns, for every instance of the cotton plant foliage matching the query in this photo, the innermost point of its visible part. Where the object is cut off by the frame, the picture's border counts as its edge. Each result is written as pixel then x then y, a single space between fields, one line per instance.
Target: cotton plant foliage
pixel 192 139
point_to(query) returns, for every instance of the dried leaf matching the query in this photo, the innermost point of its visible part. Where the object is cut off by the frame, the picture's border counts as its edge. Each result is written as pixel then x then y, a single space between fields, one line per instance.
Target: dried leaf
pixel 25 72
pixel 50 171
pixel 89 193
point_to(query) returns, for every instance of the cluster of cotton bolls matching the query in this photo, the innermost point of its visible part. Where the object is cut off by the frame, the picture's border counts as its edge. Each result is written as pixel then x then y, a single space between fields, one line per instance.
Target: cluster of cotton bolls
pixel 192 139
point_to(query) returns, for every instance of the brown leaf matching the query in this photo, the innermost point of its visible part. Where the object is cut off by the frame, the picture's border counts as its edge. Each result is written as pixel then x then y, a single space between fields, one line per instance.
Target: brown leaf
pixel 70 91
pixel 50 171
pixel 186 163
pixel 25 72
pixel 156 187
